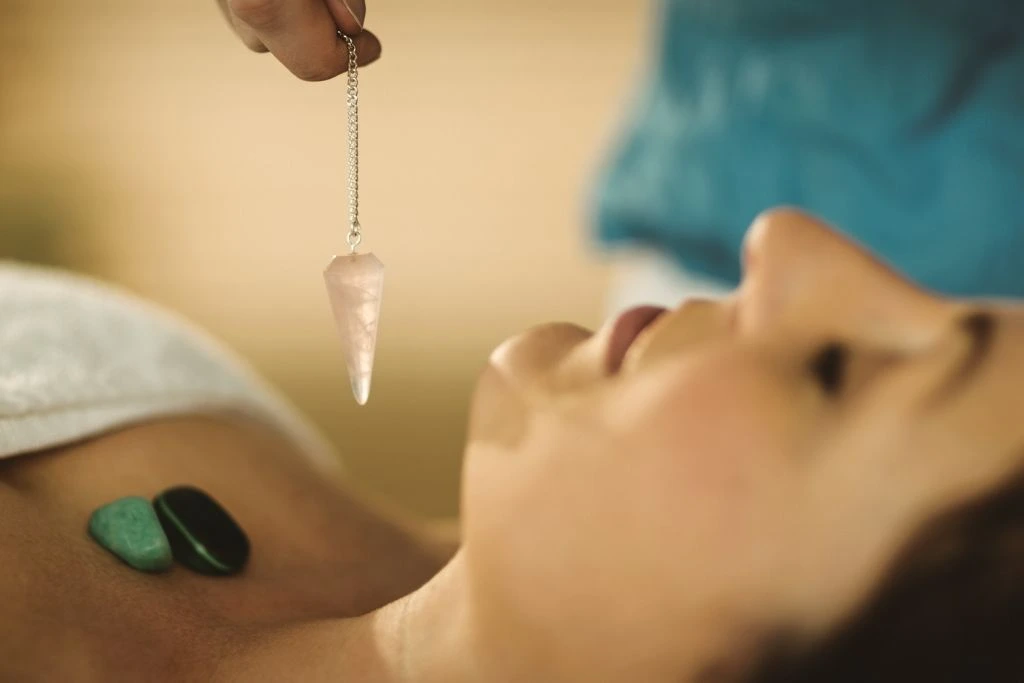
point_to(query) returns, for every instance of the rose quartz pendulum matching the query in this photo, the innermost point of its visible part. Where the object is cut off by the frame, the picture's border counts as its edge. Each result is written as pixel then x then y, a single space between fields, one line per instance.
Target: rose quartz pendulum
pixel 355 281
pixel 354 284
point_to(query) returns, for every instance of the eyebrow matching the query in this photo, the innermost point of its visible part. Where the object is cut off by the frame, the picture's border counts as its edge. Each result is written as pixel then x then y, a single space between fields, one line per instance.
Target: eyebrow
pixel 980 328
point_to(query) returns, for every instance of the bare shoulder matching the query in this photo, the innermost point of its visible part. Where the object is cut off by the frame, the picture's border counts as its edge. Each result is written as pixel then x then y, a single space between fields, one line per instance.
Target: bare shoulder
pixel 70 606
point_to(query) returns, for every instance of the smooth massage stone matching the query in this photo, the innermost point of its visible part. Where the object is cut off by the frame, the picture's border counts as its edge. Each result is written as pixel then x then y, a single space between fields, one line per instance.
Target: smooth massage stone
pixel 203 535
pixel 128 528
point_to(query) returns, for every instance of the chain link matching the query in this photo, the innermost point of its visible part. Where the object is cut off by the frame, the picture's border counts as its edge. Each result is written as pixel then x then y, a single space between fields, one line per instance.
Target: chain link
pixel 355 234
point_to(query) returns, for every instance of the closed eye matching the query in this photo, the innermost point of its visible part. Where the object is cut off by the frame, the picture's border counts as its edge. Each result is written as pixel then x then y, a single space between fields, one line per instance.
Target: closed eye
pixel 981 328
pixel 828 366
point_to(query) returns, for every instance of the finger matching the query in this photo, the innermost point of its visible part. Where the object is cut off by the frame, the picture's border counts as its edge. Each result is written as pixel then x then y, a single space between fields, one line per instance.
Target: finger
pixel 302 34
pixel 248 36
pixel 350 15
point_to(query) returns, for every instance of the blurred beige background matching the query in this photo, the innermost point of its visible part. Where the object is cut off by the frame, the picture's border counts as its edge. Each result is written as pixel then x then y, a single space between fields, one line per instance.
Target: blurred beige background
pixel 140 142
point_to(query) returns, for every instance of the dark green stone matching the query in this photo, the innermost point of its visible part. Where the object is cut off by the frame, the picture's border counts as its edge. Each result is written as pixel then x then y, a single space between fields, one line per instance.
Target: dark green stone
pixel 203 535
pixel 129 528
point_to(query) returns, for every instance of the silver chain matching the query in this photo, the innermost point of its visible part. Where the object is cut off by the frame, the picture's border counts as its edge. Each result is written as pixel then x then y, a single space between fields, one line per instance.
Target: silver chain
pixel 355 234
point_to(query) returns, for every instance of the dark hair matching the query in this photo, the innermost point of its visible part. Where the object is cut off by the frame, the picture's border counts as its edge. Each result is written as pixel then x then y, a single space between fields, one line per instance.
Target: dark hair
pixel 950 609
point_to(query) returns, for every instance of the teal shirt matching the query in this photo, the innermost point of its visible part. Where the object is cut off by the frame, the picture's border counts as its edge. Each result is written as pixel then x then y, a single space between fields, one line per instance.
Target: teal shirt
pixel 900 122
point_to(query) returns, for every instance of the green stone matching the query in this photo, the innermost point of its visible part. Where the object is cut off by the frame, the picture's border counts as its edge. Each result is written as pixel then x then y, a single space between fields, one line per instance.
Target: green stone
pixel 129 528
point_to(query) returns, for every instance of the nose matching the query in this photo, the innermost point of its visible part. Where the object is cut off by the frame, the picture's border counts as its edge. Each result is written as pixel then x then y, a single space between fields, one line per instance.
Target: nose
pixel 801 275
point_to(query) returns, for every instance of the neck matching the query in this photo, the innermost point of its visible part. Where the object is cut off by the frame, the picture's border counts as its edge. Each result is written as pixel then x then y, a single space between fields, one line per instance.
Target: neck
pixel 419 638
pixel 429 637
pixel 425 637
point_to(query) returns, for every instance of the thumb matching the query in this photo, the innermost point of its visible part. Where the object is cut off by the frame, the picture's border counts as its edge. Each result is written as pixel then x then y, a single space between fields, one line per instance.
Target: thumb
pixel 349 14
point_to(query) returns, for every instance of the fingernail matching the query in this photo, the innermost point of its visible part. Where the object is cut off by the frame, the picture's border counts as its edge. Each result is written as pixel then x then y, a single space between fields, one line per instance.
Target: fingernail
pixel 355 16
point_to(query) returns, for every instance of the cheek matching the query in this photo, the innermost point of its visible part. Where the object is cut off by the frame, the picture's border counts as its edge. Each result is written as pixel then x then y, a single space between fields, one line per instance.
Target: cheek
pixel 670 491
pixel 715 423
pixel 720 443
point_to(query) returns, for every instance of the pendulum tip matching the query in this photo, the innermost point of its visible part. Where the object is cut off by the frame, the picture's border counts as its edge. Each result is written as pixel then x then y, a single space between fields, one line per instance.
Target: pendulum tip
pixel 361 390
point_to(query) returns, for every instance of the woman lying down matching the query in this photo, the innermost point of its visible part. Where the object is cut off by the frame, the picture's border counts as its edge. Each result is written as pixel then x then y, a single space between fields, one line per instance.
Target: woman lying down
pixel 816 479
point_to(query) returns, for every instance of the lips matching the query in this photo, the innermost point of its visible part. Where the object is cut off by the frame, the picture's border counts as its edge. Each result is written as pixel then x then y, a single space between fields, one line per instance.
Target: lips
pixel 625 330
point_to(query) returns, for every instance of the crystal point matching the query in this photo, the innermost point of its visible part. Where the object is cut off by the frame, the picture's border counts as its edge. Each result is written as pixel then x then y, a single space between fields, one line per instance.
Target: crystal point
pixel 354 284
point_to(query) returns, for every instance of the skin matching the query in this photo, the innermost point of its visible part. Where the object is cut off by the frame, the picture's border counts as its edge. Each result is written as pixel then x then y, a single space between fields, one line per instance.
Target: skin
pixel 652 522
pixel 302 34
pixel 712 480
pixel 72 611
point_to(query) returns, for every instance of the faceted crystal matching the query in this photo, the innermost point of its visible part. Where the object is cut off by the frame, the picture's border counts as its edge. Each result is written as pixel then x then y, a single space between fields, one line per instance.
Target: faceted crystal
pixel 354 284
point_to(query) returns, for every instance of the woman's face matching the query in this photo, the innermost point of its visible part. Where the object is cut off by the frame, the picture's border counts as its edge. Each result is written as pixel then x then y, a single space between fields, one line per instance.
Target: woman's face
pixel 733 465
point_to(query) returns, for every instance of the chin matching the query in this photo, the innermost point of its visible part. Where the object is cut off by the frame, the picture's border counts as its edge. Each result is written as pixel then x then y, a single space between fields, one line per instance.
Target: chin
pixel 497 411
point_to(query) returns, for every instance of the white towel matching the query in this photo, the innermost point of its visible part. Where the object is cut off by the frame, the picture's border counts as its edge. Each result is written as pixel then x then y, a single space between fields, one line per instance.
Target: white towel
pixel 78 358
